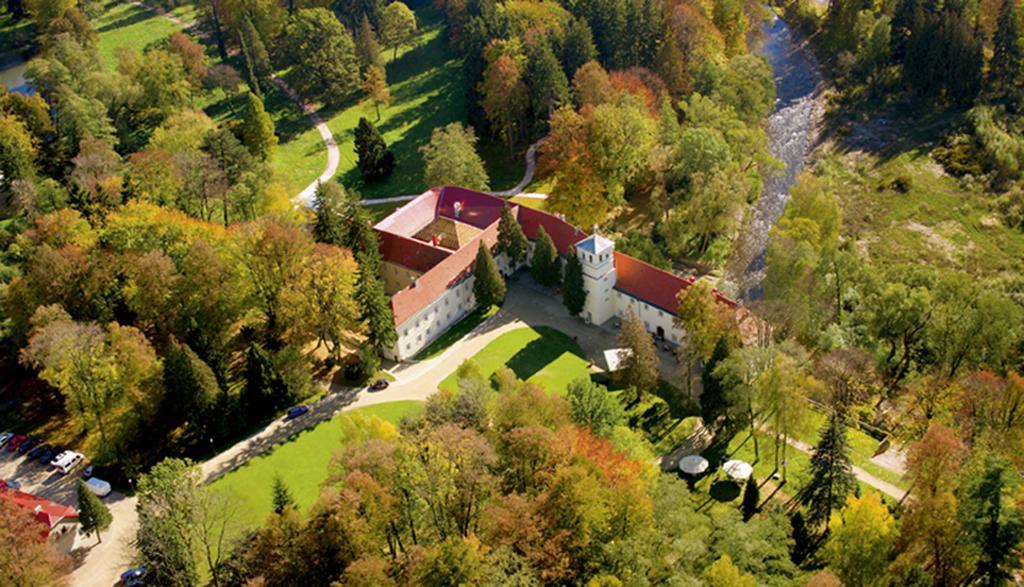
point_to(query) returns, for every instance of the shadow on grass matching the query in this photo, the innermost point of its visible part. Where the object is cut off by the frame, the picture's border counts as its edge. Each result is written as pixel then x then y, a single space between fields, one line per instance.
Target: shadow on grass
pixel 541 352
pixel 724 491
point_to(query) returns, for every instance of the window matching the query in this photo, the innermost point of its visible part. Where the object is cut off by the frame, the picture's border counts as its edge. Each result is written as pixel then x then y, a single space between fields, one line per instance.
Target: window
pixel 419 337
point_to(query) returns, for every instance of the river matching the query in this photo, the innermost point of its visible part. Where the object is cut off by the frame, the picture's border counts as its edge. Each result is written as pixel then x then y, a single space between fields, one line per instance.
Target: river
pixel 792 130
pixel 12 73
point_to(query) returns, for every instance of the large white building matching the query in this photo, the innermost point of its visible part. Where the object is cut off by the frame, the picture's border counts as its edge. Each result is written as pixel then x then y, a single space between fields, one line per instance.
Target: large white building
pixel 430 244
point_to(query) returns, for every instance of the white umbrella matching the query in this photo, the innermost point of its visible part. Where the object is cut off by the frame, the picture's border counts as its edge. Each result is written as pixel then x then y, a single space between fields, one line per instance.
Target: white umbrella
pixel 693 464
pixel 738 470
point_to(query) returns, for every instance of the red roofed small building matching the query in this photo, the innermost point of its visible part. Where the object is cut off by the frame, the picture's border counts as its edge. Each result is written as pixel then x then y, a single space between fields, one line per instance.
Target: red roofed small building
pixel 57 523
pixel 429 246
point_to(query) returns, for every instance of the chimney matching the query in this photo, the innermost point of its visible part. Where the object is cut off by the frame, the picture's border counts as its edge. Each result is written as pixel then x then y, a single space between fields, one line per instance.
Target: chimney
pixel 457 207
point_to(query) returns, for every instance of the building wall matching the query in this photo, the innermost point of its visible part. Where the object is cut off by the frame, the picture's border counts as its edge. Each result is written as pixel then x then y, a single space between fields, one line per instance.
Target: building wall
pixel 651 316
pixel 396 277
pixel 598 279
pixel 63 535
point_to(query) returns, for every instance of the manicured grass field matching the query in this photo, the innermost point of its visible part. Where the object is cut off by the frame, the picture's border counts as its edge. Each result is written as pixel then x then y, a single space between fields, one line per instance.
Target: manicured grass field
pixel 862 447
pixel 127 25
pixel 453 334
pixel 540 355
pixel 302 462
pixel 426 83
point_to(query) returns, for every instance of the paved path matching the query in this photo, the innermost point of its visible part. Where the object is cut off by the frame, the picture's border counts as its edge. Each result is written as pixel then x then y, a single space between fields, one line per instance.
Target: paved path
pixel 865 477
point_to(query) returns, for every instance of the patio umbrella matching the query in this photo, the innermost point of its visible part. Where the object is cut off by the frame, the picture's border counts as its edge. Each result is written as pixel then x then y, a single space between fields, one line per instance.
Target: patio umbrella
pixel 738 470
pixel 693 464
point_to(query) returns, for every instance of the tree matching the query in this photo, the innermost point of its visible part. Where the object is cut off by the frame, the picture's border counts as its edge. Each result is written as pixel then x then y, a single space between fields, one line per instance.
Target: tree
pixel 398 25
pixel 577 46
pixel 579 194
pixel 620 136
pixel 488 284
pixel 638 360
pixel 713 403
pixel 511 239
pixel 451 159
pixel 93 514
pixel 591 85
pixel 326 66
pixel 257 129
pixel 190 387
pixel 504 98
pixel 994 525
pixel 779 389
pixel 702 323
pixel 376 306
pixel 832 478
pixel 592 406
pixel 328 201
pixel 1005 68
pixel 258 68
pixel 375 160
pixel 17 152
pixel 319 303
pixel 44 11
pixel 574 295
pixel 282 496
pixel 546 81
pixel 367 46
pixel 29 559
pixel 861 538
pixel 265 389
pixel 723 573
pixel 544 265
pixel 751 498
pixel 671 65
pixel 376 87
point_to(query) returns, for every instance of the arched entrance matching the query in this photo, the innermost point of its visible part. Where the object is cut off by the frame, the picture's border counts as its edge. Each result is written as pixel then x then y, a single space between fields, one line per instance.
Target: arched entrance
pixel 660 333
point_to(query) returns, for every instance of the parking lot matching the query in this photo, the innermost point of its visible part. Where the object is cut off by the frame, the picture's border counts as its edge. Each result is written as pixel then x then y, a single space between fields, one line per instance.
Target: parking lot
pixel 38 479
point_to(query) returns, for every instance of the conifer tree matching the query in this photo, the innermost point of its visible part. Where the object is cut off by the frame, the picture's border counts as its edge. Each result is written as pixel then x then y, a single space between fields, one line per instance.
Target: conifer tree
pixel 328 204
pixel 254 53
pixel 511 238
pixel 803 542
pixel 488 285
pixel 282 496
pixel 832 478
pixel 376 86
pixel 265 389
pixel 671 65
pixel 638 366
pixel 713 403
pixel 367 45
pixel 375 161
pixel 376 305
pixel 258 129
pixel 1007 56
pixel 93 514
pixel 544 264
pixel 578 46
pixel 191 387
pixel 574 295
pixel 549 88
pixel 751 498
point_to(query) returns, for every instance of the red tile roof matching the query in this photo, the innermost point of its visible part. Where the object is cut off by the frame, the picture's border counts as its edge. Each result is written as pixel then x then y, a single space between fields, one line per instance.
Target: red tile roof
pixel 477 209
pixel 653 285
pixel 43 511
pixel 563 234
pixel 432 285
pixel 413 216
pixel 411 253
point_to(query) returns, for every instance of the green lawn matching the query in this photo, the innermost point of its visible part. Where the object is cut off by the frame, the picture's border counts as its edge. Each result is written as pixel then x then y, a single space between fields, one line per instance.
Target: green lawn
pixel 426 83
pixel 302 462
pixel 540 355
pixel 455 333
pixel 862 447
pixel 127 25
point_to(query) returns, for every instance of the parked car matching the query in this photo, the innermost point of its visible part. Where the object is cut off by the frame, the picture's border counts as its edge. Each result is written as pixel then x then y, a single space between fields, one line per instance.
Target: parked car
pixel 98 486
pixel 66 461
pixel 88 471
pixel 27 445
pixel 12 444
pixel 134 577
pixel 296 412
pixel 36 452
pixel 379 385
pixel 48 454
pixel 5 437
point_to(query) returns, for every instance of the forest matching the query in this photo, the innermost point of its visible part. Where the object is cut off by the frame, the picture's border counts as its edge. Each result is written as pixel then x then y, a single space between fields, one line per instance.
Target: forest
pixel 164 295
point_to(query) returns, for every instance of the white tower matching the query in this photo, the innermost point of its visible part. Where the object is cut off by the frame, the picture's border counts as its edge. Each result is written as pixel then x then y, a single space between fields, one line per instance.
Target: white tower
pixel 596 254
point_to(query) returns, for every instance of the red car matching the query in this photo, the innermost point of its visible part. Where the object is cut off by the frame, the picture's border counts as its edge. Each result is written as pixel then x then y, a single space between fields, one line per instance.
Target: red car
pixel 12 444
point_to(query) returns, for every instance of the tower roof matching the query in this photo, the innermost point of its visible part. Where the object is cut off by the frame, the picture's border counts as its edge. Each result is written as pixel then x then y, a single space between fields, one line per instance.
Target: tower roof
pixel 595 244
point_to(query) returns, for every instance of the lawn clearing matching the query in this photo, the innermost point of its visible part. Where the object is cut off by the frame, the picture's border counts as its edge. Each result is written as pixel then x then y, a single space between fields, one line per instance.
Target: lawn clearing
pixel 455 333
pixel 426 84
pixel 302 462
pixel 127 25
pixel 862 447
pixel 539 355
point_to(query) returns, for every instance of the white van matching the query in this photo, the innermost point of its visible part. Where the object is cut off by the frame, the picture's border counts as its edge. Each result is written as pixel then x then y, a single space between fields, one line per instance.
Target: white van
pixel 66 461
pixel 98 486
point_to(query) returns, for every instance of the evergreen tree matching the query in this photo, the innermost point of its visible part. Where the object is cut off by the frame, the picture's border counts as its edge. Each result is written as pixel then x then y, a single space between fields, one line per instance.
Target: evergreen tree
pixel 574 295
pixel 257 129
pixel 577 46
pixel 191 389
pixel 803 542
pixel 488 285
pixel 751 498
pixel 375 161
pixel 832 478
pixel 360 236
pixel 367 45
pixel 713 403
pixel 544 265
pixel 994 526
pixel 1007 56
pixel 638 366
pixel 328 205
pixel 282 496
pixel 511 239
pixel 375 304
pixel 254 53
pixel 546 82
pixel 93 514
pixel 265 391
